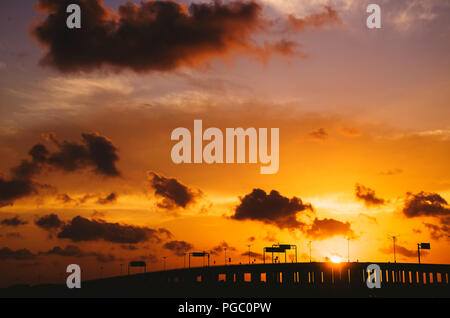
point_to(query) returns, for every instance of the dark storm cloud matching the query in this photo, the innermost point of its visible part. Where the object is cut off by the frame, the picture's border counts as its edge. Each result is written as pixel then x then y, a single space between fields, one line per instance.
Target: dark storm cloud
pixel 326 228
pixel 425 204
pixel 49 222
pixel 367 195
pixel 178 247
pixel 83 229
pixel 8 254
pixel 110 198
pixel 317 20
pixel 95 151
pixel 14 221
pixel 174 193
pixel 216 250
pixel 155 35
pixel 271 208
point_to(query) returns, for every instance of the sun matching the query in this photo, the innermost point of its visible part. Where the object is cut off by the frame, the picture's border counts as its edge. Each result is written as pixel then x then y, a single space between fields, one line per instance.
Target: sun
pixel 335 259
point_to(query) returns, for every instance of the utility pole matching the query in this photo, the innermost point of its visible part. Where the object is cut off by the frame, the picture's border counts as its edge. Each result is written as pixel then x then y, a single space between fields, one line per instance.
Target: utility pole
pixel 418 251
pixel 310 251
pixel 394 238
pixel 249 253
pixel 348 250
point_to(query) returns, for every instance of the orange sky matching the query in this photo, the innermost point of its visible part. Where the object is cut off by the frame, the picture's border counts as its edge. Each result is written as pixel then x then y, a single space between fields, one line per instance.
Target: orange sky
pixel 364 107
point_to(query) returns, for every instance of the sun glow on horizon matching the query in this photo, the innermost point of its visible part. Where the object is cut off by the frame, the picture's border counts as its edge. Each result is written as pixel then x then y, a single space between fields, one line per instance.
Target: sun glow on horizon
pixel 335 259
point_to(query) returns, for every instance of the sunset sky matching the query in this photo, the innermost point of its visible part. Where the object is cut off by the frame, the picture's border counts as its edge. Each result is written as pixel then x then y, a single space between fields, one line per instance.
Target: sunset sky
pixel 86 117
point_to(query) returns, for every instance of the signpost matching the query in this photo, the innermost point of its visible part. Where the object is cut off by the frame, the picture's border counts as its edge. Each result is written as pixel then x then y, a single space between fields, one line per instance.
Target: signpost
pixel 422 246
pixel 137 264
pixel 198 254
pixel 279 248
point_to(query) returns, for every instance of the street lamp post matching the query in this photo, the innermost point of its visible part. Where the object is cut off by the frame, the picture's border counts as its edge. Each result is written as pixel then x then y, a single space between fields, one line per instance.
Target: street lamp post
pixel 348 250
pixel 395 258
pixel 225 249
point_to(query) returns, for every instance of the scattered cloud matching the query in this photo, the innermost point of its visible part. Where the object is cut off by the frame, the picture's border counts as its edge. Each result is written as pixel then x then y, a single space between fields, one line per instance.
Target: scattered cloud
pixel 49 222
pixel 110 198
pixel 401 250
pixel 254 255
pixel 326 228
pixel 8 254
pixel 425 204
pixel 409 14
pixel 178 247
pixel 391 172
pixel 317 20
pixel 75 251
pixel 14 222
pixel 428 204
pixel 14 235
pixel 216 250
pixel 270 237
pixel 105 258
pixel 271 208
pixel 174 193
pixel 83 229
pixel 150 258
pixel 441 231
pixel 368 196
pixel 129 247
pixel 369 217
pixel 95 151
pixel 350 132
pixel 69 250
pixel 160 35
pixel 318 135
pixel 64 198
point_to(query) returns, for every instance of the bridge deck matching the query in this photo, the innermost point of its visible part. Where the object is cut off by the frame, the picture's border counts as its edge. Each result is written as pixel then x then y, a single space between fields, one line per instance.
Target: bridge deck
pixel 265 280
